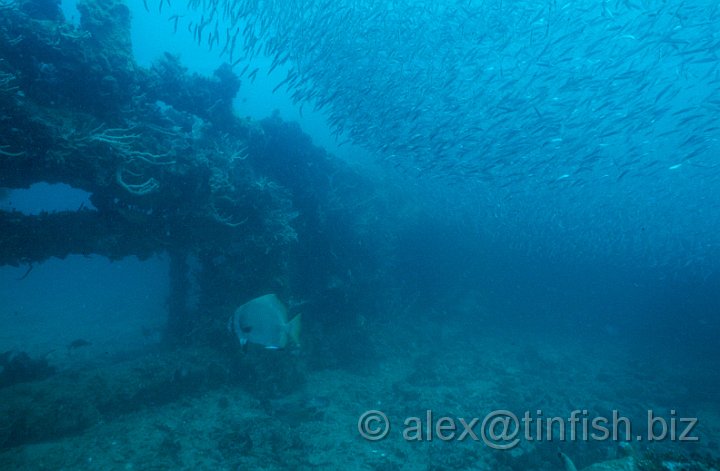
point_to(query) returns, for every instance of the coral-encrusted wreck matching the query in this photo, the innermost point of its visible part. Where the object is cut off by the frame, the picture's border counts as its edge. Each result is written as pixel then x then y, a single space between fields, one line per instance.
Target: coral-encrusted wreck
pixel 169 166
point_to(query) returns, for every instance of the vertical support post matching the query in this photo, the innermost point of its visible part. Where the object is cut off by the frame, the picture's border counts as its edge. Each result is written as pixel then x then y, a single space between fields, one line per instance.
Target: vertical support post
pixel 178 325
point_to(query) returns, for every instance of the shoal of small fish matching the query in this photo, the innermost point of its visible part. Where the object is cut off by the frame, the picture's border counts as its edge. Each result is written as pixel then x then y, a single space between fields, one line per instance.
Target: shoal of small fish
pixel 530 100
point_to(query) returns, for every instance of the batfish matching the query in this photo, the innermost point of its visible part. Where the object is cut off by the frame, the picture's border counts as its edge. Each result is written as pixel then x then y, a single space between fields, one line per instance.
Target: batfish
pixel 264 321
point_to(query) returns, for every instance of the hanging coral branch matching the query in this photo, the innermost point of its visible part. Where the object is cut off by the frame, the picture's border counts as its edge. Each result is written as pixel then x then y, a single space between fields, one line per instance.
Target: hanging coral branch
pixel 7 153
pixel 138 189
pixel 225 216
pixel 6 83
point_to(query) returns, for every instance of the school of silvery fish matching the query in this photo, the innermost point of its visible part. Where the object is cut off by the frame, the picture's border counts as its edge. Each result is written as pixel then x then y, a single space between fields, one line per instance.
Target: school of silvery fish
pixel 521 95
pixel 479 84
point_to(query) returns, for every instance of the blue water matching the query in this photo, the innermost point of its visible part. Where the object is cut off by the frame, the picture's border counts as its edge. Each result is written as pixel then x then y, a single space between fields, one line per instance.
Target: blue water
pixel 544 194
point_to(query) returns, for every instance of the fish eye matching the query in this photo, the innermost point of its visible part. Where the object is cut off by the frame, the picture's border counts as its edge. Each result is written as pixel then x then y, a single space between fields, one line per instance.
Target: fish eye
pixel 246 329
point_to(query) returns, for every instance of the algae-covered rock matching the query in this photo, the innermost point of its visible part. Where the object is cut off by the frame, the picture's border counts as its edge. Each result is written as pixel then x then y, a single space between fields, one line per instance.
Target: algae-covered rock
pixel 632 461
pixel 623 464
pixel 627 462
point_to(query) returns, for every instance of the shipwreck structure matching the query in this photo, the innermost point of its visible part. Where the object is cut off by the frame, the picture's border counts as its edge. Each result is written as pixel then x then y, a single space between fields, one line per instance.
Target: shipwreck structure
pixel 250 206
pixel 240 207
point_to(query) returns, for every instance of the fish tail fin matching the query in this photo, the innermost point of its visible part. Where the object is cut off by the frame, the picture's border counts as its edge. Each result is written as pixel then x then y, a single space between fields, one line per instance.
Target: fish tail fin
pixel 294 329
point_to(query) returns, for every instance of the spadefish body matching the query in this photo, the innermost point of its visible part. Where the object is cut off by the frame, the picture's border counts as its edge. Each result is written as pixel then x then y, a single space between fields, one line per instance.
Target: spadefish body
pixel 264 321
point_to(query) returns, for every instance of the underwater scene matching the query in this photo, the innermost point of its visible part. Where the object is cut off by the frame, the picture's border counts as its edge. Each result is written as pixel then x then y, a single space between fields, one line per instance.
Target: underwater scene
pixel 360 235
